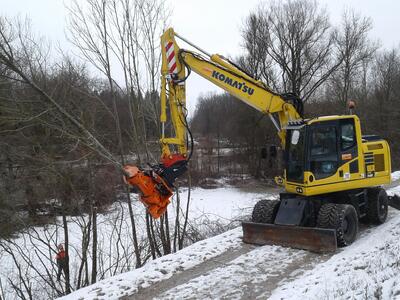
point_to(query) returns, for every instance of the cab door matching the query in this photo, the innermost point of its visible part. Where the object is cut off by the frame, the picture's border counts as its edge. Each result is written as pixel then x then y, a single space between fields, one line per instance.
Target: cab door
pixel 348 150
pixel 333 151
pixel 323 150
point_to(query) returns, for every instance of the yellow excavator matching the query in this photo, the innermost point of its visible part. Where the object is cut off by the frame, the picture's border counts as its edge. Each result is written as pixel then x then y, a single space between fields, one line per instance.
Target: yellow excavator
pixel 332 175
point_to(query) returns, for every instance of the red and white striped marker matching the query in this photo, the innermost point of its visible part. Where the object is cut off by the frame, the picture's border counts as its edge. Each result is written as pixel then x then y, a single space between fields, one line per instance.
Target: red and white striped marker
pixel 170 53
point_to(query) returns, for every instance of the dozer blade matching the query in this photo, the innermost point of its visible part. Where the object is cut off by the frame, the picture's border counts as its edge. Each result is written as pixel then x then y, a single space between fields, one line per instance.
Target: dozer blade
pixel 313 239
pixel 394 201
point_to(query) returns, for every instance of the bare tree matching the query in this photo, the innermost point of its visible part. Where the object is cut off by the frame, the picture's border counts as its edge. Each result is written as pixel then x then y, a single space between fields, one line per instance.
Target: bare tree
pixel 355 50
pixel 25 58
pixel 124 35
pixel 83 272
pixel 294 42
pixel 91 34
pixel 27 69
pixel 386 75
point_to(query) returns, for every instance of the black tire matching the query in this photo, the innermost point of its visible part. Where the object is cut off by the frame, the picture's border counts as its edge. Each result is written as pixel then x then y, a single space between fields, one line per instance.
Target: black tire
pixel 265 211
pixel 377 210
pixel 341 217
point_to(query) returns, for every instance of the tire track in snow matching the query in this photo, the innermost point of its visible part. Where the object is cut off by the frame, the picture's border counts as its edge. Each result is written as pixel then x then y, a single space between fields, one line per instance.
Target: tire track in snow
pixel 249 276
pixel 190 274
pixel 364 270
pixel 253 275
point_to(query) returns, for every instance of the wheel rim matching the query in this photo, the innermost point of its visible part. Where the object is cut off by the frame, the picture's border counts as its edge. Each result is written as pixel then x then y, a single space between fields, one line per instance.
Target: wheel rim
pixel 345 225
pixel 382 208
pixel 348 227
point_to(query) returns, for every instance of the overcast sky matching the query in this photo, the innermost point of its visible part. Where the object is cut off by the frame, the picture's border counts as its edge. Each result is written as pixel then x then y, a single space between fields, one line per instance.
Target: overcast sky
pixel 214 25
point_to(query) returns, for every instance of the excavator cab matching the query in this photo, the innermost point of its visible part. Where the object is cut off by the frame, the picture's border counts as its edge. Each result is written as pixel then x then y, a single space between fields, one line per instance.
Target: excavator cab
pixel 317 149
pixel 329 154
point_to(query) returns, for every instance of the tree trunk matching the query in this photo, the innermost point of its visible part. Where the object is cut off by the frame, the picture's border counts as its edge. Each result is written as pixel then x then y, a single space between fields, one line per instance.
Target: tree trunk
pixel 94 245
pixel 149 237
pixel 66 242
pixel 134 235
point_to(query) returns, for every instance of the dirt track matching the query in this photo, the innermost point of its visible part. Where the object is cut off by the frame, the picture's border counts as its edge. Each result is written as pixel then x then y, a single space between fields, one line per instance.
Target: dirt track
pixel 249 272
pixel 254 282
pixel 183 277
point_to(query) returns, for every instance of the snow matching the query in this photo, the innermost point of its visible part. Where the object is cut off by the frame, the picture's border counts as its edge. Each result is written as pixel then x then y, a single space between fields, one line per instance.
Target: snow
pixel 249 271
pixel 394 191
pixel 395 175
pixel 160 269
pixel 368 269
pixel 221 204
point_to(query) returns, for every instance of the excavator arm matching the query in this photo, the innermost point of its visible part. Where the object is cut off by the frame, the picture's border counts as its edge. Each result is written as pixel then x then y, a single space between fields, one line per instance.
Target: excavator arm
pixel 177 64
pixel 155 185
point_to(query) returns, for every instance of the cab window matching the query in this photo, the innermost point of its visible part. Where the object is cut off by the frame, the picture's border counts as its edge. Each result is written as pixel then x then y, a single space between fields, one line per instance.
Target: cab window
pixel 295 155
pixel 347 136
pixel 323 151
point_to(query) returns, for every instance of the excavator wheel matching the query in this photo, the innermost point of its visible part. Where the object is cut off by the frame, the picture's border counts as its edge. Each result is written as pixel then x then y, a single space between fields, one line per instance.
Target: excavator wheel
pixel 265 211
pixel 342 218
pixel 377 206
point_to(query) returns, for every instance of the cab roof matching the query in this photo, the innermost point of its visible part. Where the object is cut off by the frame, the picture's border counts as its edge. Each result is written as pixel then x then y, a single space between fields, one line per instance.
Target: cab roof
pixel 330 118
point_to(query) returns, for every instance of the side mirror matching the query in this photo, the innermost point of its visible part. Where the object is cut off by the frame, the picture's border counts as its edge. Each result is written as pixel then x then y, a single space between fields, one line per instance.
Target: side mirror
pixel 264 153
pixel 295 137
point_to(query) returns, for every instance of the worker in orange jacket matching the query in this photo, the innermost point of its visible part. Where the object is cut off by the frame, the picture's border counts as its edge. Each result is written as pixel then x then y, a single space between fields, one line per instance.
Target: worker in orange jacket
pixel 61 259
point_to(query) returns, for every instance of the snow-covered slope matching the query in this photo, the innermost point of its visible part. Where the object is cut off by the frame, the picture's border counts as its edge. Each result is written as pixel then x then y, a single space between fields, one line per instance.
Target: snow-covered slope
pixel 368 269
pixel 116 255
pixel 160 269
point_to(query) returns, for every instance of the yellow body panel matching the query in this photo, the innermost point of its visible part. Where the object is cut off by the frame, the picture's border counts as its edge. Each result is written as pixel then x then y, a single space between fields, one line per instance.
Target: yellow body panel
pixel 335 185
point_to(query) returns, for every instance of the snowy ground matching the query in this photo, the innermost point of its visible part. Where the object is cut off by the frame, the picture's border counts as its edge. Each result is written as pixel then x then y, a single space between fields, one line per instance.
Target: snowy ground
pixel 368 269
pixel 160 269
pixel 207 205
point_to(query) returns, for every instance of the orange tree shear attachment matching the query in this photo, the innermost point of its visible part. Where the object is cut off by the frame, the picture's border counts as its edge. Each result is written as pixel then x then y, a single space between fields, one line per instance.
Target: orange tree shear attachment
pixel 154 192
pixel 155 184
